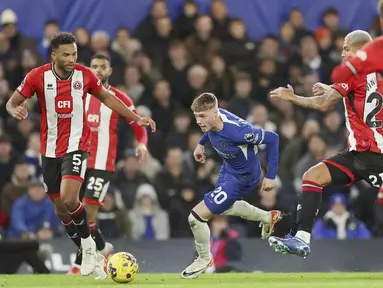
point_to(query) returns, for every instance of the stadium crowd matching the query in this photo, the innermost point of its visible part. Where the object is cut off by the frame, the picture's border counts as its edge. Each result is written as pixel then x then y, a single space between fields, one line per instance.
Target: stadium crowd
pixel 162 66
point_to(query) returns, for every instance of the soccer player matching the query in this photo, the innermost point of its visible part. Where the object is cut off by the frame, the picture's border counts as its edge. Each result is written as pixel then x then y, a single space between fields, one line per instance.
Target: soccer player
pixel 362 98
pixel 235 140
pixel 103 123
pixel 61 88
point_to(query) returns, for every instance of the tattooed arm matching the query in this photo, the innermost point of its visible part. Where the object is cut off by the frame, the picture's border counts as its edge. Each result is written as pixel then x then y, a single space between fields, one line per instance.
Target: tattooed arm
pixel 322 103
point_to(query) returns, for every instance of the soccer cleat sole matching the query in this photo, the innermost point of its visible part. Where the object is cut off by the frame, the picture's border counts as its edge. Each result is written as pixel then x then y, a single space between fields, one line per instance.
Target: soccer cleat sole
pixel 196 274
pixel 280 247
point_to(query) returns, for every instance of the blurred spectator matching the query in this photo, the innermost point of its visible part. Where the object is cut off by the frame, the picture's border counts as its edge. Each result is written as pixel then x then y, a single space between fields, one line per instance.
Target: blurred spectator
pixel 333 131
pixel 315 154
pixel 295 149
pixel 33 215
pixel 149 73
pixel 240 104
pixel 220 19
pixel 184 24
pixel 32 155
pixel 259 117
pixel 83 44
pixel 201 46
pixel 10 59
pixel 8 158
pixel 225 247
pixel 51 27
pixel 175 70
pixel 314 61
pixel 287 47
pixel 18 42
pixel 238 50
pixel 157 48
pixel 174 173
pixel 221 79
pixel 338 223
pixel 16 187
pixel 112 218
pixel 148 220
pixel 162 107
pixel 179 210
pixel 124 45
pixel 132 85
pixel 20 134
pixel 197 84
pixel 296 19
pixel 145 31
pixel 100 43
pixel 178 137
pixel 331 20
pixel 128 178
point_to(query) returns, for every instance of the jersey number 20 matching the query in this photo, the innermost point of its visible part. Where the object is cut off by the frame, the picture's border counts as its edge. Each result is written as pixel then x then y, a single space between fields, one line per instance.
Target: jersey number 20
pixel 219 196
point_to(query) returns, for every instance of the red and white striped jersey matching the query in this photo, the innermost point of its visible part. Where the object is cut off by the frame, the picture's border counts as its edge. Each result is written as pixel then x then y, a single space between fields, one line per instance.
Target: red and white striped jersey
pixel 64 128
pixel 363 102
pixel 103 123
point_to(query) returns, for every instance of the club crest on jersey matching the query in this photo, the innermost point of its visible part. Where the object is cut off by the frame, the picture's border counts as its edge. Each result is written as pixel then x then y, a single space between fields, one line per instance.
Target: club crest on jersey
pixel 251 137
pixel 77 85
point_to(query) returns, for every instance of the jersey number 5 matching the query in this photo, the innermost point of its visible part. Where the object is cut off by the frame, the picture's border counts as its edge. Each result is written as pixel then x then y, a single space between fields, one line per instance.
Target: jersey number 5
pixel 370 119
pixel 219 196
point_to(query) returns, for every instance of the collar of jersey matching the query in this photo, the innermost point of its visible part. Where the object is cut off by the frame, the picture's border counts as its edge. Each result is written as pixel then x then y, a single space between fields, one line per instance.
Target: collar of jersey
pixel 57 76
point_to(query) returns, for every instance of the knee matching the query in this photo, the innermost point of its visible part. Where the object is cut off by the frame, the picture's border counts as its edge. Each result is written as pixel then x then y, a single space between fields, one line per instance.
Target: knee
pixel 69 202
pixel 318 174
pixel 194 219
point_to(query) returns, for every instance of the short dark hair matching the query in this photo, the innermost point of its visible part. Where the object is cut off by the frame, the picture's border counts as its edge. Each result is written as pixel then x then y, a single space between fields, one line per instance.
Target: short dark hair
pixel 331 11
pixel 51 22
pixel 62 38
pixel 101 56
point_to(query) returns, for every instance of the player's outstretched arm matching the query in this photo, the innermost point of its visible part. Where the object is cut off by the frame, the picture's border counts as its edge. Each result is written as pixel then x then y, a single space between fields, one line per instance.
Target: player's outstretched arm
pixel 117 105
pixel 321 103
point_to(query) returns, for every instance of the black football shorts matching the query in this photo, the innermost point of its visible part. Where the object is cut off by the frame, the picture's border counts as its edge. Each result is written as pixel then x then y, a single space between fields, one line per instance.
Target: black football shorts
pixel 346 167
pixel 95 186
pixel 70 166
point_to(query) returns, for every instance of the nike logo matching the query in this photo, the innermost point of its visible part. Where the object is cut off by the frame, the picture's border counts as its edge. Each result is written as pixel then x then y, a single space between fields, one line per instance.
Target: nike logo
pixel 195 272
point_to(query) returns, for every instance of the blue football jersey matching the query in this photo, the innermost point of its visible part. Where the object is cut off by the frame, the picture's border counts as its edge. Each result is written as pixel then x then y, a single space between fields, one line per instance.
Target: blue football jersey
pixel 237 144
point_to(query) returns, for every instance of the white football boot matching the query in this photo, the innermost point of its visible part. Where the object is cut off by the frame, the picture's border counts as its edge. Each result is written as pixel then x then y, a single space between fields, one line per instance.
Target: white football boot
pixel 197 268
pixel 89 256
pixel 99 270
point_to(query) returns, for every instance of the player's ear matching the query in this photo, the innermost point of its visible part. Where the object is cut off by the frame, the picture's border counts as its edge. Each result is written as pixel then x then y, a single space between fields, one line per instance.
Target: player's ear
pixel 53 56
pixel 110 71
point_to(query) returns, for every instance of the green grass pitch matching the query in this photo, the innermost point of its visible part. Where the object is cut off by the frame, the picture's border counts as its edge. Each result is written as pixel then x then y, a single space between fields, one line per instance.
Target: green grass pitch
pixel 258 280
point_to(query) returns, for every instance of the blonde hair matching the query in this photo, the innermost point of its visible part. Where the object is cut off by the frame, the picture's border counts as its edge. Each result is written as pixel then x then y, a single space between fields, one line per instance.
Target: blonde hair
pixel 204 102
pixel 358 37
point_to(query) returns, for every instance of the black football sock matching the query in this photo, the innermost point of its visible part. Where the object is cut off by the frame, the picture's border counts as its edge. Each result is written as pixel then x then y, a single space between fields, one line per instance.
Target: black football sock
pixel 72 232
pixel 78 259
pixel 80 220
pixel 309 204
pixel 97 236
